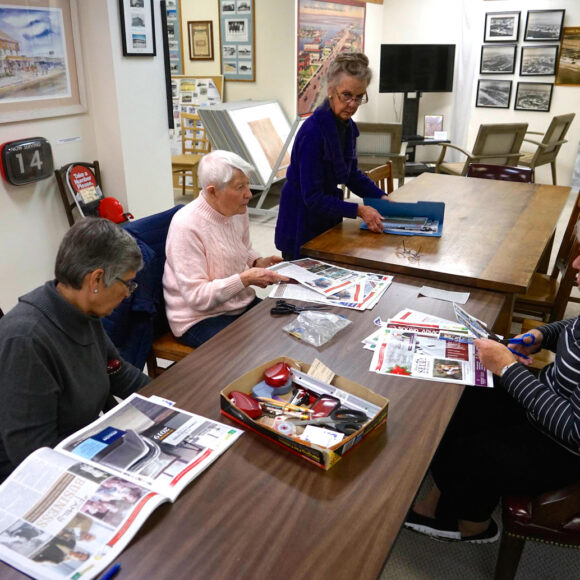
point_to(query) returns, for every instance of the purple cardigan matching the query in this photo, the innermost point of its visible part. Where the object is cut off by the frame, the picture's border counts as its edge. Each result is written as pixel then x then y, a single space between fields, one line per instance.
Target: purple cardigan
pixel 311 201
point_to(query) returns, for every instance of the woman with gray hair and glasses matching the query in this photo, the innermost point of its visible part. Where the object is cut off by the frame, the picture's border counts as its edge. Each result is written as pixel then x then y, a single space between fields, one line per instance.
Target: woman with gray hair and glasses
pixel 58 368
pixel 324 156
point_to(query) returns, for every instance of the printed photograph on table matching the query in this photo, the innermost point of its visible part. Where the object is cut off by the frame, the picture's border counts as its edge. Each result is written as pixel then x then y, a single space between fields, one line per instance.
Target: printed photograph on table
pixel 568 72
pixel 432 123
pixel 544 25
pixel 137 27
pixel 325 29
pixel 493 93
pixel 40 61
pixel 498 59
pixel 200 34
pixel 501 27
pixel 533 97
pixel 237 40
pixel 538 60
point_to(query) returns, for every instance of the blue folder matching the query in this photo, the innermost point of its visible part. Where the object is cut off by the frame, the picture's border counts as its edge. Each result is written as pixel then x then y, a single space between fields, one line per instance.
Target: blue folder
pixel 432 210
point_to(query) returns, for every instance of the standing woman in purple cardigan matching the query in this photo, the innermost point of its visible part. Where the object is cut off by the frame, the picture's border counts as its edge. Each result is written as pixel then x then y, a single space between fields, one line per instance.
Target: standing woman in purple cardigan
pixel 324 156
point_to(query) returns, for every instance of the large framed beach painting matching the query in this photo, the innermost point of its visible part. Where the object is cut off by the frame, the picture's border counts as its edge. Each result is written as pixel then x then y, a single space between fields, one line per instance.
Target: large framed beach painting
pixel 40 62
pixel 325 28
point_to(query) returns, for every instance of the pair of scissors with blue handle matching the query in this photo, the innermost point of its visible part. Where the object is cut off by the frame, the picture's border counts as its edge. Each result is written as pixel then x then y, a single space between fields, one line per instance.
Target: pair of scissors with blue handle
pixel 283 307
pixel 519 340
pixel 347 421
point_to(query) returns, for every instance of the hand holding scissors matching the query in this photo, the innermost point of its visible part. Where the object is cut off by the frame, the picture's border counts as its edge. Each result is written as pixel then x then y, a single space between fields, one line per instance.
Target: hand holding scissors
pixel 283 307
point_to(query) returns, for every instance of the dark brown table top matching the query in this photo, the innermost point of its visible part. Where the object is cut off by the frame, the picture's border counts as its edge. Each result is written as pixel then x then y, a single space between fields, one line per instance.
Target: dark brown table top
pixel 494 233
pixel 261 512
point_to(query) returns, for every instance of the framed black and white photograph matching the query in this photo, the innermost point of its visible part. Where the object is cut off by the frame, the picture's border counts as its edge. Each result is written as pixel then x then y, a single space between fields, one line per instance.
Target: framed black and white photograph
pixel 501 27
pixel 237 40
pixel 137 27
pixel 533 97
pixel 538 60
pixel 493 93
pixel 544 25
pixel 568 72
pixel 498 59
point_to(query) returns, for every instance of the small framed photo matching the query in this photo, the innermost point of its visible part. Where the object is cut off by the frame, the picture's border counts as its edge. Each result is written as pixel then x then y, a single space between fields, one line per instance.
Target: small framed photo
pixel 538 60
pixel 493 93
pixel 501 27
pixel 498 59
pixel 137 27
pixel 544 25
pixel 200 34
pixel 568 73
pixel 433 123
pixel 533 97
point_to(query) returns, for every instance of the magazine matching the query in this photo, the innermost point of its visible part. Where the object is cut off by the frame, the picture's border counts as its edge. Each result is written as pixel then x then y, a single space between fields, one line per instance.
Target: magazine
pixel 68 512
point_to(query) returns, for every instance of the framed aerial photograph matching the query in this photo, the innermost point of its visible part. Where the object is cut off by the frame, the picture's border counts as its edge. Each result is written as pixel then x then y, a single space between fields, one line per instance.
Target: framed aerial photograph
pixel 432 123
pixel 40 60
pixel 237 40
pixel 501 27
pixel 533 97
pixel 568 71
pixel 200 34
pixel 498 59
pixel 137 27
pixel 544 25
pixel 493 93
pixel 538 60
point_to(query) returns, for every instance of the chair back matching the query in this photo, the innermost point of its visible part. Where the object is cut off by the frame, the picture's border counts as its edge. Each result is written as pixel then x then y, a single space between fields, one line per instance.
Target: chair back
pixel 553 140
pixel 378 139
pixel 382 176
pixel 501 139
pixel 194 140
pixel 500 172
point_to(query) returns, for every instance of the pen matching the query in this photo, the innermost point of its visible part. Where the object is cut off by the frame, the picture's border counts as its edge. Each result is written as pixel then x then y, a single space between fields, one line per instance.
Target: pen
pixel 111 572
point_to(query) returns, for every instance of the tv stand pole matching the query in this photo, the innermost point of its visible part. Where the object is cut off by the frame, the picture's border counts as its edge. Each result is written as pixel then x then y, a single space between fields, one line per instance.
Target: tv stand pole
pixel 411 115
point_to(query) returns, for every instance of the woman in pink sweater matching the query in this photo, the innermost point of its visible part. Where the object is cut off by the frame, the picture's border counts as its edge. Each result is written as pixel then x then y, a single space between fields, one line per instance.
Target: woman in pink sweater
pixel 210 261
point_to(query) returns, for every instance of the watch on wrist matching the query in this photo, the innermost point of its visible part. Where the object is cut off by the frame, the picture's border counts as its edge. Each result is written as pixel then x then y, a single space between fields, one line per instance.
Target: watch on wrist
pixel 501 374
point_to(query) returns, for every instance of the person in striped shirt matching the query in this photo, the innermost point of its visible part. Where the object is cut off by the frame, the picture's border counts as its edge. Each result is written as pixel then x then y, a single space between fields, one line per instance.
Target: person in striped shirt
pixel 521 436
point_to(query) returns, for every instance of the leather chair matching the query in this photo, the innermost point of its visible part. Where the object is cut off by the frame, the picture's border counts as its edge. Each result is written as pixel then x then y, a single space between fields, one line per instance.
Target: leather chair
pixel 495 144
pixel 382 177
pixel 552 517
pixel 500 172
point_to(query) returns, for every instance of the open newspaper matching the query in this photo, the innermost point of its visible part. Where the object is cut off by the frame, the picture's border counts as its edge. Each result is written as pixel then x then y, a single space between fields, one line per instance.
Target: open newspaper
pixel 68 512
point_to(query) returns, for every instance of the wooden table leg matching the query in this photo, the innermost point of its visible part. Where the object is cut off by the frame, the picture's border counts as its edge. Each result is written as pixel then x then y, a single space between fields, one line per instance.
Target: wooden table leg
pixel 544 262
pixel 503 322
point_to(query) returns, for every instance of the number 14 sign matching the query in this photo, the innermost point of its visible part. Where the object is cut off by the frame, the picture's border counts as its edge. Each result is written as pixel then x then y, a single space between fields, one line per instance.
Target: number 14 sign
pixel 27 160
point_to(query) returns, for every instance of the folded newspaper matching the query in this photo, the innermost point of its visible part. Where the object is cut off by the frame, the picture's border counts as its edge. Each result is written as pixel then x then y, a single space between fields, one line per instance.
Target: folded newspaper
pixel 68 512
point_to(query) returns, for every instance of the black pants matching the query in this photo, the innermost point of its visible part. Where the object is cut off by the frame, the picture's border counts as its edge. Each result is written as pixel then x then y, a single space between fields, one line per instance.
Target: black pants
pixel 491 448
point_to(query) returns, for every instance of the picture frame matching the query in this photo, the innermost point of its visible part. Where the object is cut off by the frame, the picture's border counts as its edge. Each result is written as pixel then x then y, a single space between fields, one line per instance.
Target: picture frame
pixel 501 27
pixel 173 36
pixel 533 97
pixel 539 60
pixel 432 123
pixel 568 70
pixel 200 34
pixel 137 27
pixel 499 59
pixel 237 39
pixel 544 25
pixel 493 93
pixel 63 87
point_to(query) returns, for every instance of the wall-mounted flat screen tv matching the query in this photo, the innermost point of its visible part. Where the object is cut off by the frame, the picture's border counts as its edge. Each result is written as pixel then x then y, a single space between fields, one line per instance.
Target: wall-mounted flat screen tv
pixel 407 68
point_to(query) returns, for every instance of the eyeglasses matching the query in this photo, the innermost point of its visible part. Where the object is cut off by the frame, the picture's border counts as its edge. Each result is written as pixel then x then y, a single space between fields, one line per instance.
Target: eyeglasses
pixel 131 286
pixel 348 98
pixel 411 255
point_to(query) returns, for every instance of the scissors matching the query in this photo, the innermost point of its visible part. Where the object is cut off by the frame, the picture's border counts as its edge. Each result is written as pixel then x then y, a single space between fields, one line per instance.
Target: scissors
pixel 283 307
pixel 519 340
pixel 341 419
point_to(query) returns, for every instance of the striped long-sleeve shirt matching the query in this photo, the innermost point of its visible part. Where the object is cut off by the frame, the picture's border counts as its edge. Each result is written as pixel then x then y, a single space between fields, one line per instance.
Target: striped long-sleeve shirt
pixel 553 398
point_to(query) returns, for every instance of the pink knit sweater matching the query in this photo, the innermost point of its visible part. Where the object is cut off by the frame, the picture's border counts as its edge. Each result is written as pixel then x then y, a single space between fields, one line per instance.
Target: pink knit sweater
pixel 206 252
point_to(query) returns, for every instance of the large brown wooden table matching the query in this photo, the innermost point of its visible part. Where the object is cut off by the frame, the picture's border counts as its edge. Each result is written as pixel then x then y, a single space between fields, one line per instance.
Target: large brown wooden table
pixel 260 512
pixel 495 234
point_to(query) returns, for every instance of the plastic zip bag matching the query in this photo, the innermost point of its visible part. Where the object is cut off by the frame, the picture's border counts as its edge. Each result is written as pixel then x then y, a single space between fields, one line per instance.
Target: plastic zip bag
pixel 316 328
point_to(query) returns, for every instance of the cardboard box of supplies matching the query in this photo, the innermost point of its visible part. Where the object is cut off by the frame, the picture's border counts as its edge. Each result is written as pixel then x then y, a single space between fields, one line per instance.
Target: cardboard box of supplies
pixel 350 394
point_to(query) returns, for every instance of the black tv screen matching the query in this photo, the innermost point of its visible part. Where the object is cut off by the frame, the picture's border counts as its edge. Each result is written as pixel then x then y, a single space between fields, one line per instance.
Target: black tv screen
pixel 407 68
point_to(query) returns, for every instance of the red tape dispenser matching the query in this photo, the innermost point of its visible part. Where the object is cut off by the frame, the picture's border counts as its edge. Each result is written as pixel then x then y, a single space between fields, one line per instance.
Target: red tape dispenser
pixel 247 404
pixel 277 381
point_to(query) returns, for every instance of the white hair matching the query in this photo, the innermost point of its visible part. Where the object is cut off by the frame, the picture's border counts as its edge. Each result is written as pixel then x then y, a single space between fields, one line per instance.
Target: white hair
pixel 217 168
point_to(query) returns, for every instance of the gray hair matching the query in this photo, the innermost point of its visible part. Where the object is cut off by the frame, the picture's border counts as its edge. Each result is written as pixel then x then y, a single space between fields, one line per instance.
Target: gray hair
pixel 354 64
pixel 217 168
pixel 94 243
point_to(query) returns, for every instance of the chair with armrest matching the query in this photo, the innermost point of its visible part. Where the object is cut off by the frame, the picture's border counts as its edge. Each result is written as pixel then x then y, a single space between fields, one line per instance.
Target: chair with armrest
pixel 378 143
pixel 382 177
pixel 495 144
pixel 500 172
pixel 547 150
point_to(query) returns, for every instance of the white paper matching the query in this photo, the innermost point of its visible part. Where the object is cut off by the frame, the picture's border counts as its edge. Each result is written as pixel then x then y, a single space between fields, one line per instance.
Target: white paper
pixel 459 297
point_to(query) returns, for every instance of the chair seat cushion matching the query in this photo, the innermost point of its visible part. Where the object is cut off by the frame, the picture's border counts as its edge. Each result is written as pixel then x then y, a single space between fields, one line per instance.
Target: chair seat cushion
pixel 451 168
pixel 542 291
pixel 168 347
pixel 184 161
pixel 526 159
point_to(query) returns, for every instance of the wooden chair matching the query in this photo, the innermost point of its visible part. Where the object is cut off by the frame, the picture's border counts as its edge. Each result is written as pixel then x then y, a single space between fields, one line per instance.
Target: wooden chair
pixel 194 145
pixel 495 144
pixel 548 149
pixel 500 172
pixel 382 177
pixel 552 517
pixel 165 347
pixel 378 143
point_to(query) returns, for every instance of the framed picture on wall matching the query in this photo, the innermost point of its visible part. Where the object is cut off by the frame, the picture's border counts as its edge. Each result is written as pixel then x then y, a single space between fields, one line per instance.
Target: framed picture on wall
pixel 493 93
pixel 539 60
pixel 568 72
pixel 544 25
pixel 498 59
pixel 501 27
pixel 533 97
pixel 200 34
pixel 137 27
